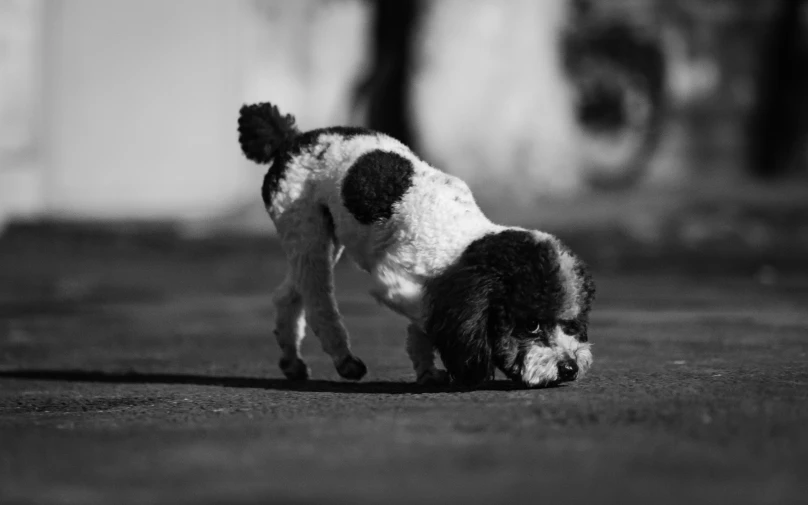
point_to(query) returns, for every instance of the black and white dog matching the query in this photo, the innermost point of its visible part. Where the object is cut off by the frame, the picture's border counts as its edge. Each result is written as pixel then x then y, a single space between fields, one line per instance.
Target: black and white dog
pixel 484 296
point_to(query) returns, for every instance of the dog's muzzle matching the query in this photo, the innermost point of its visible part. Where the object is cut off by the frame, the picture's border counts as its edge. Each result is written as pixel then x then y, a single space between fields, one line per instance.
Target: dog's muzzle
pixel 567 370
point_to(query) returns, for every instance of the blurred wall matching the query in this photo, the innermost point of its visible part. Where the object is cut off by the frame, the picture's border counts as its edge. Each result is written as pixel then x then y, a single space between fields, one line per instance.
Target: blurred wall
pixel 490 98
pixel 306 56
pixel 140 100
pixel 126 109
pixel 20 94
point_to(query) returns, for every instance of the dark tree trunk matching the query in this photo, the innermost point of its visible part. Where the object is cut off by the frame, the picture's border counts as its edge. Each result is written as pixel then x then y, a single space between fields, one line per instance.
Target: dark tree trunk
pixel 777 132
pixel 385 89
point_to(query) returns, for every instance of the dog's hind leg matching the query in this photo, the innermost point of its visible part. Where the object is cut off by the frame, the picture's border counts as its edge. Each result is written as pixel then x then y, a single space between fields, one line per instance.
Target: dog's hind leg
pixel 312 267
pixel 290 329
pixel 422 354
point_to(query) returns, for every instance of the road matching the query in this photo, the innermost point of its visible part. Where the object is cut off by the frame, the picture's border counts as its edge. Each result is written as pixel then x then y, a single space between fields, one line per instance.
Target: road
pixel 143 371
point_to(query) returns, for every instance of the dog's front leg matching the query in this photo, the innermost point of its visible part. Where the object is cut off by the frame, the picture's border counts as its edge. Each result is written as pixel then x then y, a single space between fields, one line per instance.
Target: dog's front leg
pixel 422 354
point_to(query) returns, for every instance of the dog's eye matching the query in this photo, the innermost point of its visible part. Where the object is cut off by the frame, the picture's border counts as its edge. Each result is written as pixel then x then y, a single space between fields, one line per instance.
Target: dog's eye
pixel 534 326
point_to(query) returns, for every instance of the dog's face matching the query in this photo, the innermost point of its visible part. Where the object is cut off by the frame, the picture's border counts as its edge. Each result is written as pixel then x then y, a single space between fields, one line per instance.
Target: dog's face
pixel 515 300
pixel 540 353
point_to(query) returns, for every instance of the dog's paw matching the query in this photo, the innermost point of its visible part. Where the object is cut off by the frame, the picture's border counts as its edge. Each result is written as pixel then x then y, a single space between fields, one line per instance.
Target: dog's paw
pixel 351 368
pixel 433 377
pixel 294 369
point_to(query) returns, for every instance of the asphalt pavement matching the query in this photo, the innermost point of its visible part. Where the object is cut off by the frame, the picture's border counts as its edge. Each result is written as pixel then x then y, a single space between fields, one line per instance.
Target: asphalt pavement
pixel 141 369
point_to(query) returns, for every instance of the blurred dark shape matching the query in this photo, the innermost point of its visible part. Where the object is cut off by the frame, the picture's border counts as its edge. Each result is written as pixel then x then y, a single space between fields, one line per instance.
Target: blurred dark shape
pixel 616 69
pixel 779 119
pixel 384 90
pixel 618 72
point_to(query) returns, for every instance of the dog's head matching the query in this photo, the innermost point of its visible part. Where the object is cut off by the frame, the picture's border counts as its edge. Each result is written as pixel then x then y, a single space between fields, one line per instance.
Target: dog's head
pixel 516 300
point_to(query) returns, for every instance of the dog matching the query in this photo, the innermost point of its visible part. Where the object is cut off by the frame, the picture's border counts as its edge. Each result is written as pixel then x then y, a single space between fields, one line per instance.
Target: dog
pixel 484 296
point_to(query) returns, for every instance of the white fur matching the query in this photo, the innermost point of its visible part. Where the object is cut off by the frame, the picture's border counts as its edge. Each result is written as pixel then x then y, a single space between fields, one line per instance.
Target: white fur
pixel 541 362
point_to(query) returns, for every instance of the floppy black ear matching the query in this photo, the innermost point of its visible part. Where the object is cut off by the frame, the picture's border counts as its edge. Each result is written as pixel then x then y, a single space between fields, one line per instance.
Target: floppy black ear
pixel 587 293
pixel 586 296
pixel 458 309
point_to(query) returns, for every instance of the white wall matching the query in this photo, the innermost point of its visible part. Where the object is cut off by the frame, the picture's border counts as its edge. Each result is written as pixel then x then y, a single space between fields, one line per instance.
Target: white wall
pixel 140 104
pixel 137 115
pixel 306 55
pixel 140 98
pixel 491 99
pixel 20 93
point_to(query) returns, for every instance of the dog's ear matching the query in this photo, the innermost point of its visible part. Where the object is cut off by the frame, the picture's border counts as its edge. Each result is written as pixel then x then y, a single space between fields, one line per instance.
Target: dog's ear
pixel 587 286
pixel 586 297
pixel 458 311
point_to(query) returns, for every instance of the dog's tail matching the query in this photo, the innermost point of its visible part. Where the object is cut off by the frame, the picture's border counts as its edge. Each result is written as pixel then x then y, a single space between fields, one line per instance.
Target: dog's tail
pixel 263 131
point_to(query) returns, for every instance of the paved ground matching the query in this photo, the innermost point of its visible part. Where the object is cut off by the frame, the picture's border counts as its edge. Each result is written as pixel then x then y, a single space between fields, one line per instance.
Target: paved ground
pixel 142 371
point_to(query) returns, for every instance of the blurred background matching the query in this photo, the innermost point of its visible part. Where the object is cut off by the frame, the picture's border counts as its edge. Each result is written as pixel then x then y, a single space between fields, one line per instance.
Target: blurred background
pixel 664 141
pixel 561 113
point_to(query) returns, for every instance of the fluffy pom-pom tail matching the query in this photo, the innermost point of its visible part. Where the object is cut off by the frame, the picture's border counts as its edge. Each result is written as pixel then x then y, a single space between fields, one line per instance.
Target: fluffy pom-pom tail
pixel 263 131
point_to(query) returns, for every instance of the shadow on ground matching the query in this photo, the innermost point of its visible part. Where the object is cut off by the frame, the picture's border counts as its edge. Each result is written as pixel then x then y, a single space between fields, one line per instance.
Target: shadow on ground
pixel 314 386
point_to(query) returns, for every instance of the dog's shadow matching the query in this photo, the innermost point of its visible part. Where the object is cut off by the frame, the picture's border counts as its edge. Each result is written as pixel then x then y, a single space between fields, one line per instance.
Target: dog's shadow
pixel 277 384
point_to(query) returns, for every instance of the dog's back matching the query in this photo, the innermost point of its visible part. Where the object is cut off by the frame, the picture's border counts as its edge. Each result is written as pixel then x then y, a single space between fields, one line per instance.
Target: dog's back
pixel 396 215
pixel 309 168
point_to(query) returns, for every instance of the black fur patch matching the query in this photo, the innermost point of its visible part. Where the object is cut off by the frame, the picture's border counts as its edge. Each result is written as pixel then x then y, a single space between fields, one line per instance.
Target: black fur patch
pixel 297 146
pixel 529 283
pixel 499 286
pixel 263 130
pixel 374 184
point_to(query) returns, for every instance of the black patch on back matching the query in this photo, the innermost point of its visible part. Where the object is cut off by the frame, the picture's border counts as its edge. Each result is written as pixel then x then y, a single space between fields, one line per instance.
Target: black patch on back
pixel 374 184
pixel 296 147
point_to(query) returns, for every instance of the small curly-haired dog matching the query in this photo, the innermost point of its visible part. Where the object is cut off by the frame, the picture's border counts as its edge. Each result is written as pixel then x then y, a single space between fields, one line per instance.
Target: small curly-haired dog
pixel 484 296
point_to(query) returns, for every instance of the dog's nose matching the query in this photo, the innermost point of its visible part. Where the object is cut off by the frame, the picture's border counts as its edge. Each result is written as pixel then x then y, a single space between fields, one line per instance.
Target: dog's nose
pixel 567 370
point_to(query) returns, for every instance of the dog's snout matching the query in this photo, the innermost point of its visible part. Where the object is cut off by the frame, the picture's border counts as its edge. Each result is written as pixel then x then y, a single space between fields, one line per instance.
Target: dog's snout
pixel 567 370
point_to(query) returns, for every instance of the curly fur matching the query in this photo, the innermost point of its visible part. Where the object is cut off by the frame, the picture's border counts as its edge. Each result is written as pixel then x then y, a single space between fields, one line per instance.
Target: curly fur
pixel 485 296
pixel 263 130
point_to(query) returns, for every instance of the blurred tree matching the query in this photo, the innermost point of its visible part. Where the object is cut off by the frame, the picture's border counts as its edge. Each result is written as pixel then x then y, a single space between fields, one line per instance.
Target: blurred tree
pixel 617 67
pixel 779 120
pixel 384 91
